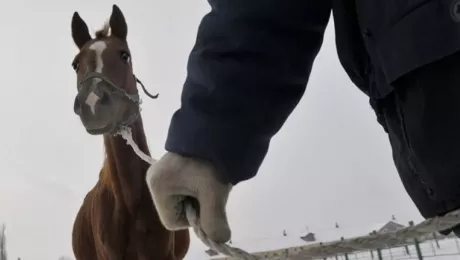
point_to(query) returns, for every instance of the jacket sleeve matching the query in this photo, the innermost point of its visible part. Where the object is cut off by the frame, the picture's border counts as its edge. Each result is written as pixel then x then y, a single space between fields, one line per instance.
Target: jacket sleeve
pixel 246 73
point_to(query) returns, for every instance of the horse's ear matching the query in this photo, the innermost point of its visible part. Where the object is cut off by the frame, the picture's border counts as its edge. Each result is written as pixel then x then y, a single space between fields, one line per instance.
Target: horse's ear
pixel 80 32
pixel 118 23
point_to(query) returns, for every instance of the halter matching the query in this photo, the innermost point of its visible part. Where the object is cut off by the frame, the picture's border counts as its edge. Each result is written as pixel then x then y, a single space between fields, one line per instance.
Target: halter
pixel 134 98
pixel 120 91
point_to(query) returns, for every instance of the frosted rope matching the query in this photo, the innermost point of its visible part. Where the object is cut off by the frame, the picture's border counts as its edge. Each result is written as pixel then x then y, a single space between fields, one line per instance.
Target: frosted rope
pixel 190 211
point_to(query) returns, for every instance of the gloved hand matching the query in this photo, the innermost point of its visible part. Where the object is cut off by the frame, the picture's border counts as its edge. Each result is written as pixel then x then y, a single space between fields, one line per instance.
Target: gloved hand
pixel 174 178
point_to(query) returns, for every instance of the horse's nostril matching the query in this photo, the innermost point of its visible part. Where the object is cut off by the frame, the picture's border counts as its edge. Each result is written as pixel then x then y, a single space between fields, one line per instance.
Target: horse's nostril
pixel 77 106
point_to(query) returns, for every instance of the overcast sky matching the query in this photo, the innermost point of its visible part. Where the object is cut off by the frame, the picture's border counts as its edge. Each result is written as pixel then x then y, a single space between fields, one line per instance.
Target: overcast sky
pixel 330 163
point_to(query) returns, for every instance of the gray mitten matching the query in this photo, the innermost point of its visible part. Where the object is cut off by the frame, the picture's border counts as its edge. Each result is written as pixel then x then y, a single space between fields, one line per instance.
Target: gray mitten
pixel 174 178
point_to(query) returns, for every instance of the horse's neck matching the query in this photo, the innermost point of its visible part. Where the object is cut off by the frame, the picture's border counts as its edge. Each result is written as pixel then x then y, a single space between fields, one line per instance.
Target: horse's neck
pixel 123 167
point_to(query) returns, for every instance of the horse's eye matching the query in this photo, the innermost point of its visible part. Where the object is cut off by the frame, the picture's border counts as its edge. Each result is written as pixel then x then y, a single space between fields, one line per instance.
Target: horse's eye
pixel 75 66
pixel 125 56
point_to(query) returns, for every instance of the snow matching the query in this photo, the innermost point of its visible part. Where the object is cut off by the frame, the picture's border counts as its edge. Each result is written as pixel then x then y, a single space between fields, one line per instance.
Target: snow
pixel 449 247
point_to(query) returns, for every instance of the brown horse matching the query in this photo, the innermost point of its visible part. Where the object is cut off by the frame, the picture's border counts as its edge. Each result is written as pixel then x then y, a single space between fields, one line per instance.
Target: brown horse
pixel 117 219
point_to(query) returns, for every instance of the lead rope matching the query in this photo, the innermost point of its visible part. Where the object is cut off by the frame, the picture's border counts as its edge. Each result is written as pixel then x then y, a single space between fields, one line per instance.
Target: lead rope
pixel 190 211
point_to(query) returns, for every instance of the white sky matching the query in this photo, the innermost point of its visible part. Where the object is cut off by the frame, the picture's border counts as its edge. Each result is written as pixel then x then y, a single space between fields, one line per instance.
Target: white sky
pixel 330 163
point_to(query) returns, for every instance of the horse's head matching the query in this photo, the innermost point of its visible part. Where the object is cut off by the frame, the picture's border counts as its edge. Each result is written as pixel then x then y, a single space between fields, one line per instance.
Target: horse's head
pixel 107 96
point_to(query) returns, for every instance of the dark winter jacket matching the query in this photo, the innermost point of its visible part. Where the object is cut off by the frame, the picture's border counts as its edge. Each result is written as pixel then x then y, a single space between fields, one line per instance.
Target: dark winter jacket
pixel 252 60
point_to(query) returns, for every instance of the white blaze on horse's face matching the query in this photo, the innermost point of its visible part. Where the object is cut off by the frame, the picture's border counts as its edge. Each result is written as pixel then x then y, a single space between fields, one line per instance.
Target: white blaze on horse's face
pixel 98 47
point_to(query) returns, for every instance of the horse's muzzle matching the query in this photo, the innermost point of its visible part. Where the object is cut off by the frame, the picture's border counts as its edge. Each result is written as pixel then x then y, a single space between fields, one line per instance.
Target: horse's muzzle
pixel 95 105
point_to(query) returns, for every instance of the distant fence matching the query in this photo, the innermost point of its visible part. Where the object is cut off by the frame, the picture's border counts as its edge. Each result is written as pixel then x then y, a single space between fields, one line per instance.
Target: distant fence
pixel 429 247
pixel 432 247
pixel 376 245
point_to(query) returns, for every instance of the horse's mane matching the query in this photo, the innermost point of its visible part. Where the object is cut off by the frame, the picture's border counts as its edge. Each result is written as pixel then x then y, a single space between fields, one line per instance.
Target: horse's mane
pixel 104 31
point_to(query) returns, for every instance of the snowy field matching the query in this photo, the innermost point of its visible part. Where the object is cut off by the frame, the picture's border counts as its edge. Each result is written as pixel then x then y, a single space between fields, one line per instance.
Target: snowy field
pixel 447 248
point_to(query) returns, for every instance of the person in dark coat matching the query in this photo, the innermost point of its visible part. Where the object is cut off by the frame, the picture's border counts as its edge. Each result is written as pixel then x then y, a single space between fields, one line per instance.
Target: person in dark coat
pixel 250 67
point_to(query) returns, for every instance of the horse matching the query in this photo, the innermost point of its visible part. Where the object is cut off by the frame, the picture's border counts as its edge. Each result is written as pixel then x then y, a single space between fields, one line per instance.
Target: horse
pixel 117 219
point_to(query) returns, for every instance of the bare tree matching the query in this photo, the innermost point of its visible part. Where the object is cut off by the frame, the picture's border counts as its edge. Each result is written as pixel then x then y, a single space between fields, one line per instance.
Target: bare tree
pixel 3 254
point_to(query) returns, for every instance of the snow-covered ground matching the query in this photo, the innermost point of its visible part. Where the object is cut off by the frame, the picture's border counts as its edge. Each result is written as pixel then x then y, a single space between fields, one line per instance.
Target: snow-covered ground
pixel 449 249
